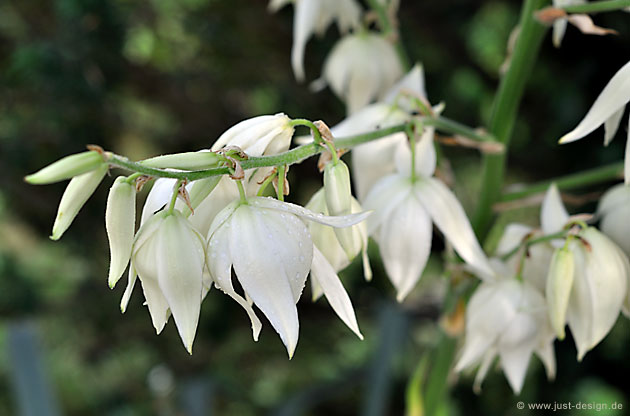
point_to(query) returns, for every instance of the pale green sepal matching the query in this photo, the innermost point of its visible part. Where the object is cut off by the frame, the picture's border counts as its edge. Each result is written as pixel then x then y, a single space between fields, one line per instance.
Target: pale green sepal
pixel 120 222
pixel 558 291
pixel 66 168
pixel 203 159
pixel 76 194
pixel 338 195
pixel 199 191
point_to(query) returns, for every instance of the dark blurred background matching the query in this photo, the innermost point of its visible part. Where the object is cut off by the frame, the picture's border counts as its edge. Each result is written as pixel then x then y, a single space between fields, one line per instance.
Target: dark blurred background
pixel 142 78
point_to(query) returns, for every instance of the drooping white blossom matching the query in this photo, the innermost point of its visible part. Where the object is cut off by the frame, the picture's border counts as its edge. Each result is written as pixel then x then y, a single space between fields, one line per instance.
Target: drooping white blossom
pixel 361 68
pixel 120 222
pixel 405 208
pixel 506 318
pixel 614 211
pixel 313 17
pixel 267 244
pixel 608 110
pixel 169 258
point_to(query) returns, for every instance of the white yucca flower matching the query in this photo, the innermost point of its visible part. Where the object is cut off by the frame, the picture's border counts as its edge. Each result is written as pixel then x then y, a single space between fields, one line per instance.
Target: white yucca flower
pixel 267 244
pixel 608 110
pixel 169 258
pixel 404 211
pixel 361 68
pixel 553 217
pixel 313 17
pixel 506 318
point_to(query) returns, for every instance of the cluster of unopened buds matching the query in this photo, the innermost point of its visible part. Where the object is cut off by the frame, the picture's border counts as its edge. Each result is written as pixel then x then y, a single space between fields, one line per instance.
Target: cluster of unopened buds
pixel 209 217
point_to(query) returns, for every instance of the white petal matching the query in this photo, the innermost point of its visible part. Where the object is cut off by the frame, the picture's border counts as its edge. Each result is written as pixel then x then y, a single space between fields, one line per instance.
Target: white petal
pixel 514 363
pixel 611 125
pixel 412 83
pixel 559 27
pixel 475 346
pixel 340 221
pixel 614 96
pixel 553 215
pixel 512 237
pixel 334 291
pixel 180 263
pixel 486 362
pixel 158 196
pixel 220 264
pixel 221 196
pixel 384 197
pixel 304 18
pixel 259 268
pixel 131 282
pixel 404 240
pixel 425 160
pixel 246 133
pixel 450 218
pixel 614 198
pixel 548 357
pixel 626 166
pixel 120 219
pixel 615 225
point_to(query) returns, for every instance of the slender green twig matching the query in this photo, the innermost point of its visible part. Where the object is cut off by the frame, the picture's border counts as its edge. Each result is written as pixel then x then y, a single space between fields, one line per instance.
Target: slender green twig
pixel 575 180
pixel 597 6
pixel 533 241
pixel 504 111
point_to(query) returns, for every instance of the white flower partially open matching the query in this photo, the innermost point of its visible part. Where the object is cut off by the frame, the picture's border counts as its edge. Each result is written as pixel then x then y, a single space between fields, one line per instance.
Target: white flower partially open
pixel 169 258
pixel 268 245
pixel 314 16
pixel 404 211
pixel 607 110
pixel 507 318
pixel 361 68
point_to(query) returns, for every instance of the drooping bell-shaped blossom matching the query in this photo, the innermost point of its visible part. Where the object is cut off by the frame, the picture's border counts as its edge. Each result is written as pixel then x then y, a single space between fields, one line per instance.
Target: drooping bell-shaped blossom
pixel 169 259
pixel 361 68
pixel 267 244
pixel 506 318
pixel 313 17
pixel 405 207
pixel 608 110
pixel 553 217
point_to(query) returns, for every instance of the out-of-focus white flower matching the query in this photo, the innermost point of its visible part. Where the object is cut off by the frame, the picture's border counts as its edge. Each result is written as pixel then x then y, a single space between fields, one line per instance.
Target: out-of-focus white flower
pixel 553 217
pixel 314 16
pixel 560 25
pixel 607 110
pixel 599 288
pixel 120 223
pixel 169 258
pixel 614 211
pixel 361 68
pixel 78 191
pixel 268 245
pixel 506 318
pixel 404 210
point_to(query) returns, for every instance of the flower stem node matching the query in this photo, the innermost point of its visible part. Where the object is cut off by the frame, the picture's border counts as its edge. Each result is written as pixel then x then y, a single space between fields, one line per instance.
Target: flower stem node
pixel 120 216
pixel 75 196
pixel 68 167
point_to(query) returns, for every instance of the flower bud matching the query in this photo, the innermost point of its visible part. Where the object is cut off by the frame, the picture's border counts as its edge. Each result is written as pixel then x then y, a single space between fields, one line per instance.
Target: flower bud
pixel 339 202
pixel 67 167
pixel 76 194
pixel 203 159
pixel 120 218
pixel 559 285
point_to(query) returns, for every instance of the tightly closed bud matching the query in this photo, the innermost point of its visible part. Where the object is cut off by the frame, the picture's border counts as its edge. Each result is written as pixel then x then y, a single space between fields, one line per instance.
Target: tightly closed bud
pixel 67 167
pixel 120 219
pixel 203 159
pixel 76 194
pixel 339 202
pixel 559 285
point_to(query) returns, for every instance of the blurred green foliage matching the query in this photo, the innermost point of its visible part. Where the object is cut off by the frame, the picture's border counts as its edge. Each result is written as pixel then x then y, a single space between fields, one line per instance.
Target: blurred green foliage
pixel 143 78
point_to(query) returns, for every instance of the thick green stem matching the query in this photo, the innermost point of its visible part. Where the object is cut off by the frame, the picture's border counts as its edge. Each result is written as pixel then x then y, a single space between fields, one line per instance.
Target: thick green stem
pixel 575 180
pixel 504 111
pixel 597 6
